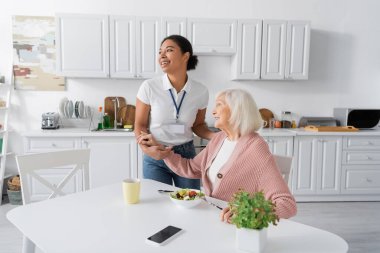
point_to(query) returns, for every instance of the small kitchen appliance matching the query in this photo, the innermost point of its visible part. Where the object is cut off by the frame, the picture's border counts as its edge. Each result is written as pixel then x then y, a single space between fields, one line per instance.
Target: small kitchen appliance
pixel 50 120
pixel 318 121
pixel 359 118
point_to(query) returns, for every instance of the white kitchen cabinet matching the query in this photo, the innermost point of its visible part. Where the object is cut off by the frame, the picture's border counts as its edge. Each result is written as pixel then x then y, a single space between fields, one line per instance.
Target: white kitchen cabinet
pixel 148 35
pixel 273 49
pixel 285 49
pixel 212 36
pixel 134 44
pixel 171 26
pixel 47 144
pixel 361 180
pixel 297 50
pixel 122 47
pixel 247 60
pixel 280 145
pixel 91 46
pixel 361 165
pixel 112 159
pixel 317 165
pixel 82 45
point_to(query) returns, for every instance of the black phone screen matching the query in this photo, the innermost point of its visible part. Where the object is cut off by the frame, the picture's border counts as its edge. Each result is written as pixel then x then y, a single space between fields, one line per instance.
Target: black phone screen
pixel 164 234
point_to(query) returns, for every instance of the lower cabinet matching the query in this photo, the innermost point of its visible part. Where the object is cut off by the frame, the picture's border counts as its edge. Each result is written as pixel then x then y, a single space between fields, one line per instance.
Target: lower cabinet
pixel 361 167
pixel 325 167
pixel 317 165
pixel 112 159
pixel 280 145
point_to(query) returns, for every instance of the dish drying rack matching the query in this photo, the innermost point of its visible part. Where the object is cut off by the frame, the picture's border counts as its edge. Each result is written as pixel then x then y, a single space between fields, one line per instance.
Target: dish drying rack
pixel 75 114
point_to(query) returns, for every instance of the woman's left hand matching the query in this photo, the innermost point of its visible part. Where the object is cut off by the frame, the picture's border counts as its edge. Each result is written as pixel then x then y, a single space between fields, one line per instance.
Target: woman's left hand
pixel 146 139
pixel 225 215
pixel 156 152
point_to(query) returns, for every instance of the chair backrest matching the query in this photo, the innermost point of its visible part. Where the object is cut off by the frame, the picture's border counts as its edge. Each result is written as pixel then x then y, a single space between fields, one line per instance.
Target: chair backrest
pixel 284 163
pixel 77 160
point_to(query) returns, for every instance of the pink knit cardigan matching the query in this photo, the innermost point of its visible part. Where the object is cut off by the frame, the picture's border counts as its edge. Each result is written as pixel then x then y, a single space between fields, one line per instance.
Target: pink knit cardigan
pixel 251 167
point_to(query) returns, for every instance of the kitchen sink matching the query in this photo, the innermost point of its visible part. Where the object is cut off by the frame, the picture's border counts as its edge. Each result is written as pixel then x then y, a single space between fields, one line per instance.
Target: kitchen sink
pixel 113 130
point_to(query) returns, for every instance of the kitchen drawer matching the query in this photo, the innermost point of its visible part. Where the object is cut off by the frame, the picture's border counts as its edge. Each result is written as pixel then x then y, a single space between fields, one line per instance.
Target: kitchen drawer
pixel 361 142
pixel 361 157
pixel 360 179
pixel 51 144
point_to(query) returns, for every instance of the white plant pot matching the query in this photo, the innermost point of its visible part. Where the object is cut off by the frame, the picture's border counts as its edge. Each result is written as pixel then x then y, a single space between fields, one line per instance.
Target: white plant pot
pixel 251 240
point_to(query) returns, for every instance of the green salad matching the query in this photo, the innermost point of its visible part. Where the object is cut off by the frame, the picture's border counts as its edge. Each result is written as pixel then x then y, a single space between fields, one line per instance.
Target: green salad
pixel 187 194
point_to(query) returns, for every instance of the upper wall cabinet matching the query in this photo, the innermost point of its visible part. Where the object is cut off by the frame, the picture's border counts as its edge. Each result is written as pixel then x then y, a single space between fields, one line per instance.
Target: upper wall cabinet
pixel 212 36
pixel 82 45
pixel 170 26
pixel 285 49
pixel 273 54
pixel 127 47
pixel 297 50
pixel 134 46
pixel 123 46
pixel 90 46
pixel 148 38
pixel 246 62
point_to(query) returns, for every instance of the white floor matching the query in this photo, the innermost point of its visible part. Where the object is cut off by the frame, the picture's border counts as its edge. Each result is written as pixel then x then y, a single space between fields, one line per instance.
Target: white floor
pixel 357 222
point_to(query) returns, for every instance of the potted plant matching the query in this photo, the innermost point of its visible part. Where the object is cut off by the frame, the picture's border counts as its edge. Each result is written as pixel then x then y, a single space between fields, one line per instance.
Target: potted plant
pixel 252 214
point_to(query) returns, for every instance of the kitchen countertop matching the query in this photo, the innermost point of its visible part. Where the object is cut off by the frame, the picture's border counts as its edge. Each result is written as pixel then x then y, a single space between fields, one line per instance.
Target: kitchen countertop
pixel 75 132
pixel 301 131
pixel 79 132
pixel 276 132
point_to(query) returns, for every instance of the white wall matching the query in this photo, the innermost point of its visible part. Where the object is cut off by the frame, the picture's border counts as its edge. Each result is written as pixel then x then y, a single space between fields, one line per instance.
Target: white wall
pixel 344 58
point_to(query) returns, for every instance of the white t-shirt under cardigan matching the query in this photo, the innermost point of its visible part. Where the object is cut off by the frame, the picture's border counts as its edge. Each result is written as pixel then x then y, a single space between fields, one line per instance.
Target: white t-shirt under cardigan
pixel 155 92
pixel 221 158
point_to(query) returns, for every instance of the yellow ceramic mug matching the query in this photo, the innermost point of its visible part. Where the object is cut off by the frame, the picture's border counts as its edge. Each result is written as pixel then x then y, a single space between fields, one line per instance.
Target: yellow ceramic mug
pixel 131 190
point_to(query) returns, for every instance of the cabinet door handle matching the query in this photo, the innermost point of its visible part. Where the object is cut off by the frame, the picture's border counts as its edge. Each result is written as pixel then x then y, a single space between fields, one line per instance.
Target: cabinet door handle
pixel 369 158
pixel 368 180
pixel 54 145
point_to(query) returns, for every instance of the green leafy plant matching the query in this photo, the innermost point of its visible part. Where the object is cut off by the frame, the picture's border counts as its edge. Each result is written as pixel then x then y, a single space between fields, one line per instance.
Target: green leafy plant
pixel 252 210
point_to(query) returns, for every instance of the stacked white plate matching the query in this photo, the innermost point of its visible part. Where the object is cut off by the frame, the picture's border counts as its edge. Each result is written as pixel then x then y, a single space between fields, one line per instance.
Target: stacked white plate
pixel 69 109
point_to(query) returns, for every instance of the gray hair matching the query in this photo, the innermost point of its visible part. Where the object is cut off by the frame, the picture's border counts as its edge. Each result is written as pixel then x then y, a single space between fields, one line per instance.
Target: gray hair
pixel 245 117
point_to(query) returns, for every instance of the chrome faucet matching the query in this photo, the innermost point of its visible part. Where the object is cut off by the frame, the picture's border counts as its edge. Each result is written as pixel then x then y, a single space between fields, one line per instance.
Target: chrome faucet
pixel 116 105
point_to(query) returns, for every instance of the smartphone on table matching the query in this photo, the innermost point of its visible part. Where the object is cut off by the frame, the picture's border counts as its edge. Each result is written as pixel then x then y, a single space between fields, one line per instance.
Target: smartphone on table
pixel 163 236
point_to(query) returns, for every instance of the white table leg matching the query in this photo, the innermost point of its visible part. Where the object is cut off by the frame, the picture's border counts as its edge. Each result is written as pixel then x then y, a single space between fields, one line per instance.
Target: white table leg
pixel 27 245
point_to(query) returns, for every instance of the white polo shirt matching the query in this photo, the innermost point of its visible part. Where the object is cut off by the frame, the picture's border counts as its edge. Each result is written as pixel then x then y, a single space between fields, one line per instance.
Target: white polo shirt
pixel 155 92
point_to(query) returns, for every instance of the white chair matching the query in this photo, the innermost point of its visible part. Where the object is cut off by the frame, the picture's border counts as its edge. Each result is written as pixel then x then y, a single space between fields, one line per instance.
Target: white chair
pixel 77 160
pixel 284 163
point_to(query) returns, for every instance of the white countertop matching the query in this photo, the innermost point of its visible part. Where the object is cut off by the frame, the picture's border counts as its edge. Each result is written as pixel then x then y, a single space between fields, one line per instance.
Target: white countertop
pixel 79 132
pixel 301 131
pixel 75 132
pixel 276 132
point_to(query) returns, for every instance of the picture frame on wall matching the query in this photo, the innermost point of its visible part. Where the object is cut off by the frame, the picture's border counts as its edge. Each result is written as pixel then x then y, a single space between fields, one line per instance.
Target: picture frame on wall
pixel 34 54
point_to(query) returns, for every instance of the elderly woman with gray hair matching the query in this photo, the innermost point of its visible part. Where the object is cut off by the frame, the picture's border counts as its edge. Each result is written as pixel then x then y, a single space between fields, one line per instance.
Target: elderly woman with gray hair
pixel 235 158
